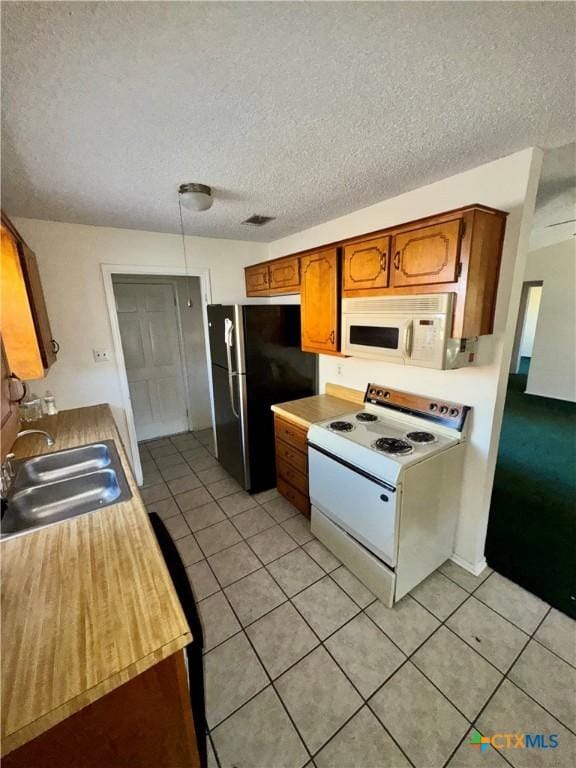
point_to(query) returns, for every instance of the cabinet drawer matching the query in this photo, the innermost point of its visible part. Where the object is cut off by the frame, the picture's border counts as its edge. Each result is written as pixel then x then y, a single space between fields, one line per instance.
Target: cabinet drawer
pixel 295 436
pixel 294 496
pixel 297 479
pixel 295 458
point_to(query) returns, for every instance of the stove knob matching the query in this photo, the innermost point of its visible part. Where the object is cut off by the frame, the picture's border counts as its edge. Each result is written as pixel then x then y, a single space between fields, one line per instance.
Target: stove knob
pixel 380 393
pixel 454 411
pixel 433 406
pixel 386 395
pixel 443 409
pixel 372 391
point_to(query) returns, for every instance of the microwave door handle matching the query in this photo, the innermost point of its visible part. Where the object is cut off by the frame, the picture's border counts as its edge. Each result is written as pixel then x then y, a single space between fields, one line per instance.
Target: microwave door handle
pixel 408 339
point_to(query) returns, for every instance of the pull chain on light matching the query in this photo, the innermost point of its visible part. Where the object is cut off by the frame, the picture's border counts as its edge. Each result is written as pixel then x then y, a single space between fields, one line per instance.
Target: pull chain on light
pixel 189 301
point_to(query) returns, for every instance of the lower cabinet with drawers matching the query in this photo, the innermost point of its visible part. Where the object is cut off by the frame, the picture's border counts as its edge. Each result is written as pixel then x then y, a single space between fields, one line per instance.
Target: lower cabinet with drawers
pixel 292 463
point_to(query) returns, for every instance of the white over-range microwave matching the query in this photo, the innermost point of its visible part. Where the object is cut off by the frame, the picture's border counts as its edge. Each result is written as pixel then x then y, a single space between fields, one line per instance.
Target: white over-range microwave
pixel 411 330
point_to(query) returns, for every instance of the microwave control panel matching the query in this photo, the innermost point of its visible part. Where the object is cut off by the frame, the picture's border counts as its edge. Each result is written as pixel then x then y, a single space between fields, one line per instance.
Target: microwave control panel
pixel 428 336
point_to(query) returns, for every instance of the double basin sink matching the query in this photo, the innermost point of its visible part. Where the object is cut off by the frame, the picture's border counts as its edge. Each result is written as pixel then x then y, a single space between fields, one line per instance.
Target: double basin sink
pixel 57 486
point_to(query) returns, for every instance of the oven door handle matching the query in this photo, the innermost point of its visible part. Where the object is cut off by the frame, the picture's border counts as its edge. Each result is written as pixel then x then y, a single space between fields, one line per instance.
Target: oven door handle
pixel 358 471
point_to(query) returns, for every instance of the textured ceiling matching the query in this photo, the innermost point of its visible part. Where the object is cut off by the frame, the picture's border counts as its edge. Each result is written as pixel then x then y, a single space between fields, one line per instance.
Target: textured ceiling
pixel 303 111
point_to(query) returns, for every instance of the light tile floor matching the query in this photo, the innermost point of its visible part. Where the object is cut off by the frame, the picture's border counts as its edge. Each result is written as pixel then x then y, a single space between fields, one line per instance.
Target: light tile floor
pixel 304 667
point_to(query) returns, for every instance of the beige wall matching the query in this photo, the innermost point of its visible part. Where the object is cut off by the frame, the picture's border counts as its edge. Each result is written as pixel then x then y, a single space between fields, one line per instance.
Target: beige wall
pixel 70 258
pixel 509 184
pixel 553 367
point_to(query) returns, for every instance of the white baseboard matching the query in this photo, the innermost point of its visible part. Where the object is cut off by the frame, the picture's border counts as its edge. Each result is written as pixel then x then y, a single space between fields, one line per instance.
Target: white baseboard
pixel 474 568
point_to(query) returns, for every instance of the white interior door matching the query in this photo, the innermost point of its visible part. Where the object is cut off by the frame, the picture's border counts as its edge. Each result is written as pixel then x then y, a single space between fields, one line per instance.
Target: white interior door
pixel 148 320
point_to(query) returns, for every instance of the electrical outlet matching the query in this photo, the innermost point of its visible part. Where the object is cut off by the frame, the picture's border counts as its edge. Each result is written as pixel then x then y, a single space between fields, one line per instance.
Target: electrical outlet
pixel 101 355
pixel 338 370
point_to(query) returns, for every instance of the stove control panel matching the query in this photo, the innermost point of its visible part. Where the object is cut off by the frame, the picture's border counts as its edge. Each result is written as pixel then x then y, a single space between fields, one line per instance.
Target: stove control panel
pixel 440 411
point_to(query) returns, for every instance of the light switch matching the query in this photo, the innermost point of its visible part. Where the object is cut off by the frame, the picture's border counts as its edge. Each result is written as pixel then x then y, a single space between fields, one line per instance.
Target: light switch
pixel 101 355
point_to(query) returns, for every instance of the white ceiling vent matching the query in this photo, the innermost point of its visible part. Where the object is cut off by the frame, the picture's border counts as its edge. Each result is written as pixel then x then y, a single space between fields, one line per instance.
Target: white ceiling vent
pixel 256 220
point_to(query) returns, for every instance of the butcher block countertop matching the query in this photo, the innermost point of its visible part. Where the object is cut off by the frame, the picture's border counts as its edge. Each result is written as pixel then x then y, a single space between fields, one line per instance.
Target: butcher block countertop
pixel 87 604
pixel 308 410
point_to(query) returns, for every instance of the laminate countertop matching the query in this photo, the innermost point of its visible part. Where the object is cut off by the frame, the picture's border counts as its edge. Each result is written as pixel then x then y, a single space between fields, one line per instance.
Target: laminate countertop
pixel 87 604
pixel 308 410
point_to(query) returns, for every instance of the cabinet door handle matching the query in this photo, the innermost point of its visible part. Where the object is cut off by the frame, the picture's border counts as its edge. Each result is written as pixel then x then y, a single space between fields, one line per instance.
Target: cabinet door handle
pixel 397 259
pixel 383 262
pixel 266 278
pixel 55 346
pixel 332 337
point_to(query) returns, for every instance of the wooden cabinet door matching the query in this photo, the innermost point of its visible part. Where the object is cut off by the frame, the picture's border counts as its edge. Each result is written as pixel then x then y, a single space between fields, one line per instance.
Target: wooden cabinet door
pixel 16 318
pixel 320 301
pixel 46 342
pixel 366 264
pixel 8 408
pixel 427 255
pixel 257 280
pixel 285 275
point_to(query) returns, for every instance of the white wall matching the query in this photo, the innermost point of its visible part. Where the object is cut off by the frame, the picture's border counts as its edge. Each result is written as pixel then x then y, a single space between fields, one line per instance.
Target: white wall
pixel 553 368
pixel 509 184
pixel 70 258
pixel 530 320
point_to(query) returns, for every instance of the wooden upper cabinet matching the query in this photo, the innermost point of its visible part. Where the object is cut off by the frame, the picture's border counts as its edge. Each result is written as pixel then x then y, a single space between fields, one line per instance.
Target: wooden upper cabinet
pixel 320 300
pixel 458 252
pixel 257 280
pixel 427 255
pixel 366 265
pixel 47 344
pixel 30 348
pixel 8 407
pixel 285 275
pixel 271 278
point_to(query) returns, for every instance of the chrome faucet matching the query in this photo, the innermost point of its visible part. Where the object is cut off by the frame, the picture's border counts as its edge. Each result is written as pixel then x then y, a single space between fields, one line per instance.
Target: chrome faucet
pixel 47 435
pixel 7 470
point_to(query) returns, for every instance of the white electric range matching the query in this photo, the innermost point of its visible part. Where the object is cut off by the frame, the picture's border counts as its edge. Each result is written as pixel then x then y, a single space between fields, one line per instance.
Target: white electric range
pixel 385 485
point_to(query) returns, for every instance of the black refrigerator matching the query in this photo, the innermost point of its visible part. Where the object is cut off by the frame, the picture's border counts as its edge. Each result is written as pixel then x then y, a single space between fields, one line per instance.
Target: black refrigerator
pixel 256 361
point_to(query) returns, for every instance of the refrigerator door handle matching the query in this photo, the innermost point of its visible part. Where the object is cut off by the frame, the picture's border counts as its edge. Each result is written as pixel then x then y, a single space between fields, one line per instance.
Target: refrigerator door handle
pixel 228 331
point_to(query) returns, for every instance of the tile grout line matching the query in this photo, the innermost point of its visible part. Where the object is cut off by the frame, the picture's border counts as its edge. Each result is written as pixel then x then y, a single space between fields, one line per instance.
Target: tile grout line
pixel 493 694
pixel 270 682
pixel 362 611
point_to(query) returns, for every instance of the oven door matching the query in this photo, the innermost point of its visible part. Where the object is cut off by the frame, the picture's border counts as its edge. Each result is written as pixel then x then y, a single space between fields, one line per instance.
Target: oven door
pixel 363 506
pixel 377 336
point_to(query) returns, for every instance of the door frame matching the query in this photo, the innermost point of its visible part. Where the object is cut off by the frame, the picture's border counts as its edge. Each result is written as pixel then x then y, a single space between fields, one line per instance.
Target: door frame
pixel 526 285
pixel 172 283
pixel 108 270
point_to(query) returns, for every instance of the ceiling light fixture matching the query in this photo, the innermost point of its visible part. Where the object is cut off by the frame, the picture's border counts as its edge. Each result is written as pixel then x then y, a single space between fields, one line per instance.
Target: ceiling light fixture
pixel 196 197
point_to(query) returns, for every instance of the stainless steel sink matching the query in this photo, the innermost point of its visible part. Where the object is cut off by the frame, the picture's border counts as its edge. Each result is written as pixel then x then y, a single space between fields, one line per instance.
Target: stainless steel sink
pixel 62 464
pixel 57 486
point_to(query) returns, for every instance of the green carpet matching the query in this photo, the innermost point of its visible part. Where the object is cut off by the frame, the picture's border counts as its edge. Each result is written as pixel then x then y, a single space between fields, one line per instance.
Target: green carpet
pixel 532 526
pixel 524 365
